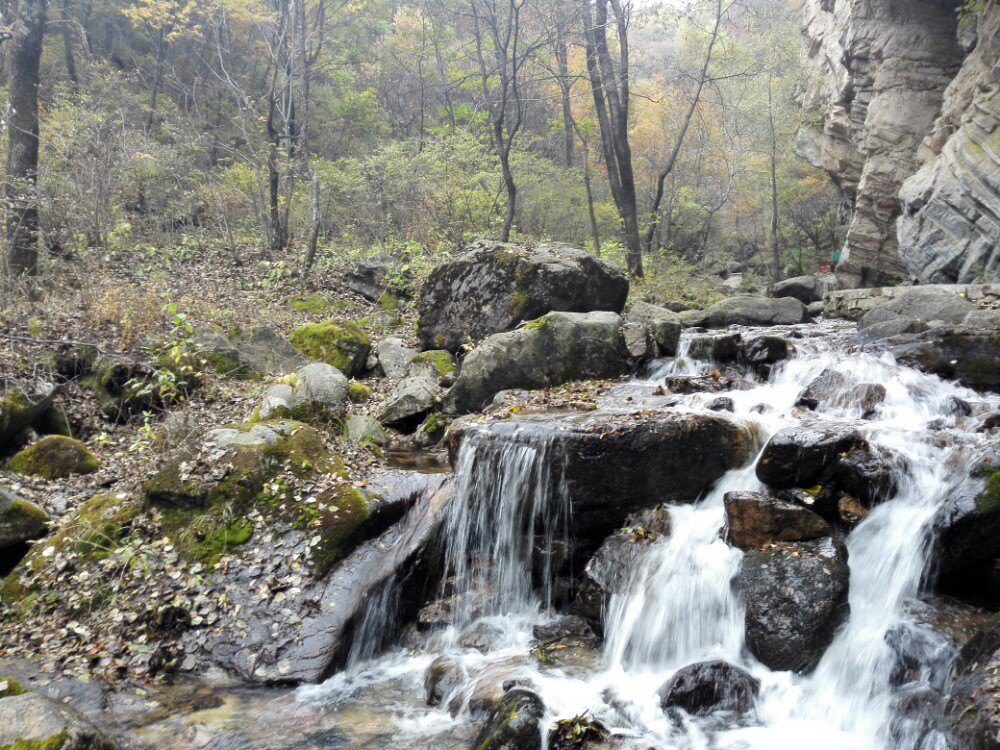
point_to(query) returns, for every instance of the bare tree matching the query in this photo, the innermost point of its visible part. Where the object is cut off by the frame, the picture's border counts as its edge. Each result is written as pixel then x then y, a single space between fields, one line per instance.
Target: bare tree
pixel 22 146
pixel 609 83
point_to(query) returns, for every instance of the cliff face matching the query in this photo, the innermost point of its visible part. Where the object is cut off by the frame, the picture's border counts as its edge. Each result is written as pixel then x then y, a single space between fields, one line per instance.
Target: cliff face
pixel 902 110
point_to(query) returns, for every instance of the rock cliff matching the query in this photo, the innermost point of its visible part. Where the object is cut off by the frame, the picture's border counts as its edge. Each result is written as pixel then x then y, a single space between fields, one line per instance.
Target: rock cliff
pixel 902 109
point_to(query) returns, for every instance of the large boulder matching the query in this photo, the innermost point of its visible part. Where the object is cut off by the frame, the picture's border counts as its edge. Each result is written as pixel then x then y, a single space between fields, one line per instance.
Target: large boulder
pixel 514 724
pixel 709 687
pixel 968 525
pixel 972 716
pixel 261 351
pixel 343 345
pixel 755 519
pixel 927 304
pixel 800 456
pixel 21 522
pixel 556 348
pixel 20 408
pixel 410 401
pixel 317 391
pixel 54 457
pixel 376 277
pixel 662 326
pixel 494 286
pixel 795 594
pixel 969 355
pixel 806 289
pixel 611 465
pixel 30 722
pixel 394 357
pixel 755 311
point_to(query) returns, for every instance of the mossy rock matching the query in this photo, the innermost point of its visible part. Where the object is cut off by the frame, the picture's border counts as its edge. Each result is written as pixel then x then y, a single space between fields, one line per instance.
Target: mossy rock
pixel 988 501
pixel 10 687
pixel 20 523
pixel 19 410
pixel 442 362
pixel 53 742
pixel 357 392
pixel 54 457
pixel 343 345
pixel 315 304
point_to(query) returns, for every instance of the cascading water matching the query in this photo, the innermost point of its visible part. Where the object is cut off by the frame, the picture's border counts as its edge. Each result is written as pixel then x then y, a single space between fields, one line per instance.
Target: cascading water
pixel 510 517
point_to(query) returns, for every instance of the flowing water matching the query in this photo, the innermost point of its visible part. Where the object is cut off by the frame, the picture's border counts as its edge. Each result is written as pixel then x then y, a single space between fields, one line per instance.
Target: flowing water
pixel 680 606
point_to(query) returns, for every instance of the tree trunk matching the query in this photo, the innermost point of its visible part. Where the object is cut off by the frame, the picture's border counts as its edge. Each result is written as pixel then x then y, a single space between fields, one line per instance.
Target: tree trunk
pixel 161 51
pixel 595 233
pixel 22 146
pixel 773 239
pixel 67 37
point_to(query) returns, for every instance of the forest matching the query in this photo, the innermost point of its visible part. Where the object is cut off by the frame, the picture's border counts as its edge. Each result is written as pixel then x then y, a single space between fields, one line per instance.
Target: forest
pixel 295 132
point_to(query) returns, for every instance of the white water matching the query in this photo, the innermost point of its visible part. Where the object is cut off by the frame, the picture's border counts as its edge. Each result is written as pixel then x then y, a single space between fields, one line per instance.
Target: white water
pixel 680 607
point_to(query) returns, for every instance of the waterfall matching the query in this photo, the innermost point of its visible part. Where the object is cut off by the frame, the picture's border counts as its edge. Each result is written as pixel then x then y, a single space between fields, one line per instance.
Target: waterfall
pixel 510 519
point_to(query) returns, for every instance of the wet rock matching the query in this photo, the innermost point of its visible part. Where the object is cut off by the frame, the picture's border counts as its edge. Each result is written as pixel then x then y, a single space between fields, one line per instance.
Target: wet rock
pixel 431 431
pixel 806 289
pixel 869 397
pixel 815 309
pixel 29 721
pixel 755 519
pixel 20 409
pixel 564 627
pixel 262 351
pixel 709 687
pixel 515 723
pixel 638 341
pixel 410 401
pixel 970 356
pixel 662 327
pixel 927 304
pixel 609 571
pixel 795 595
pixel 921 654
pixel 713 382
pixel 888 328
pixel 972 712
pixel 494 286
pixel 722 403
pixel 394 357
pixel 551 350
pixel 968 525
pixel 765 350
pixel 958 407
pixel 917 712
pixel 982 320
pixel 824 389
pixel 724 347
pixel 481 636
pixel 54 457
pixel 317 391
pixel 21 522
pixel 800 456
pixel 442 678
pixel 879 314
pixel 755 311
pixel 869 473
pixel 492 684
pixel 342 345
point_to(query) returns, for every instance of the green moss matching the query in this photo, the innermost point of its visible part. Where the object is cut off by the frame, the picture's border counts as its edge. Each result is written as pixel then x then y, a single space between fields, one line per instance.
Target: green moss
pixel 389 303
pixel 988 501
pixel 358 392
pixel 343 345
pixel 315 304
pixel 54 457
pixel 441 360
pixel 10 687
pixel 13 404
pixel 538 324
pixel 346 508
pixel 54 742
pixel 204 537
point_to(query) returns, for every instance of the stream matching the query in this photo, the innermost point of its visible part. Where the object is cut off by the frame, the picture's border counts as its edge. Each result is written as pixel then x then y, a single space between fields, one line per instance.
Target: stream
pixel 680 606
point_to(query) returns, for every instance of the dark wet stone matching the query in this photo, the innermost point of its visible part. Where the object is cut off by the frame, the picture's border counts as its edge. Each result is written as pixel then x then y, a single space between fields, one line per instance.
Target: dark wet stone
pixel 515 723
pixel 755 519
pixel 709 687
pixel 800 456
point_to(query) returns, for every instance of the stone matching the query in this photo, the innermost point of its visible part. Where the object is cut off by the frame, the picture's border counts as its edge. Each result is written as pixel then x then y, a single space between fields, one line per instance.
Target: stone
pixel 443 676
pixel 262 351
pixel 435 363
pixel 815 309
pixel 968 355
pixel 410 401
pixel 720 348
pixel 755 519
pixel 825 389
pixel 710 687
pixel 365 430
pixel 373 278
pixel 21 522
pixel 982 320
pixel 638 341
pixel 968 525
pixel 972 710
pixel 662 325
pixel 394 357
pixel 884 329
pixel 928 304
pixel 32 722
pixel 317 391
pixel 494 286
pixel 54 457
pixel 795 595
pixel 554 349
pixel 854 304
pixel 765 350
pixel 342 345
pixel 806 289
pixel 755 311
pixel 722 403
pixel 20 408
pixel 800 456
pixel 515 723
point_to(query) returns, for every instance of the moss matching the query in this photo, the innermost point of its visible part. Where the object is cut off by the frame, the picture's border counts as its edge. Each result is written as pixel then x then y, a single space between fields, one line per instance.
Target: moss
pixel 988 501
pixel 54 742
pixel 204 537
pixel 13 404
pixel 54 457
pixel 343 345
pixel 226 365
pixel 346 508
pixel 316 304
pixel 389 303
pixel 358 392
pixel 439 359
pixel 538 324
pixel 980 371
pixel 10 687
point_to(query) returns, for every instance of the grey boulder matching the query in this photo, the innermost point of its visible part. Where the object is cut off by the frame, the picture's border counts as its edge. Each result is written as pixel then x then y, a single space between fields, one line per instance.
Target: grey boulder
pixel 317 390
